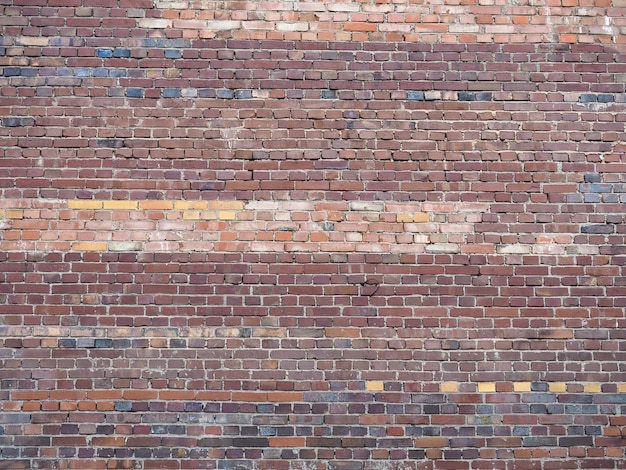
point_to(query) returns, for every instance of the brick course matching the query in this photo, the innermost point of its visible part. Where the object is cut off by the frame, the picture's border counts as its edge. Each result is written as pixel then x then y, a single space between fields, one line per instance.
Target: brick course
pixel 297 235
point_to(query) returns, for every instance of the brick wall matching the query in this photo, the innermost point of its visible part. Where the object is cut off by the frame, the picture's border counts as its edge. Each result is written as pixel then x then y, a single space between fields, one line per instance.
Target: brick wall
pixel 312 235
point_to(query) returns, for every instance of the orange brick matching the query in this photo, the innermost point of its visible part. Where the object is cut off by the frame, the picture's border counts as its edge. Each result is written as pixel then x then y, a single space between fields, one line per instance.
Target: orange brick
pixel 176 395
pixel 140 394
pixel 287 441
pixel 342 332
pixel 426 442
pixel 284 397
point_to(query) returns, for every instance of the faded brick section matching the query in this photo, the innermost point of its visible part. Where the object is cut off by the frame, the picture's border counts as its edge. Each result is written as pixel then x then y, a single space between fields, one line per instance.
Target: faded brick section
pixel 312 235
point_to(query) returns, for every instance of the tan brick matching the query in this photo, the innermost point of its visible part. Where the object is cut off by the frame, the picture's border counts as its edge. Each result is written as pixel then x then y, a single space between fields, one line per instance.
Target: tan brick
pixel 81 204
pixel 521 387
pixel 227 215
pixel 593 388
pixel 156 205
pixel 449 387
pixel 191 215
pixel 120 205
pixel 487 387
pixel 557 387
pixel 14 214
pixel 226 205
pixel 375 386
pixel 421 217
pixel 187 205
pixel 89 246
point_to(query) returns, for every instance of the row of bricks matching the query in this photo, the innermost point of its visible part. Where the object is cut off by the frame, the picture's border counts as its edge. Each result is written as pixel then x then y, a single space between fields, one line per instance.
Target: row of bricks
pixel 370 386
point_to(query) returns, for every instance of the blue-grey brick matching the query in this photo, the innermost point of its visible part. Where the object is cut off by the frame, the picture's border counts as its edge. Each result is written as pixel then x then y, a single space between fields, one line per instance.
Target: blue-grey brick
pixel 591 198
pixel 123 406
pixel 85 342
pixel 193 407
pixel 610 198
pixel 14 418
pixel 225 93
pixel 484 96
pixel 567 441
pixel 173 54
pixel 103 343
pixel 176 429
pixel 521 430
pixel 67 343
pixel 233 465
pixel 243 94
pixel 121 343
pixel 171 93
pixel 539 441
pixel 588 98
pixel 110 143
pixel 104 53
pixel 84 72
pixel 467 96
pixel 134 92
pixel 593 177
pixel 121 52
pixel 539 387
pixel 17 122
pixel 606 98
pixel 593 430
pixel 415 96
pixel 600 188
pixel 158 429
pixel 575 430
pixel 612 398
pixel 267 431
pixel 12 71
pixel 538 409
pixel 538 397
pixel 598 228
pixel 328 94
pixel 117 73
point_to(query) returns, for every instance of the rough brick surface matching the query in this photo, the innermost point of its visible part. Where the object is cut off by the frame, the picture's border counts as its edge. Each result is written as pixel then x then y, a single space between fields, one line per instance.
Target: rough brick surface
pixel 312 235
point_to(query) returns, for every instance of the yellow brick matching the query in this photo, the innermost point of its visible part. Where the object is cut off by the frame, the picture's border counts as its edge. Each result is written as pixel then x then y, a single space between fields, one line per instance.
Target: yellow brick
pixel 156 205
pixel 116 205
pixel 557 387
pixel 77 204
pixel 449 387
pixel 186 205
pixel 404 218
pixel 486 387
pixel 592 388
pixel 375 386
pixel 421 217
pixel 227 215
pixel 521 387
pixel 89 246
pixel 226 205
pixel 14 214
pixel 191 215
pixel 621 388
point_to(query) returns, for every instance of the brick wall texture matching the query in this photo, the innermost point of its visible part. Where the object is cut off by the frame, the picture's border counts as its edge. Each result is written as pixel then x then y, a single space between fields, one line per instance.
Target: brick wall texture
pixel 306 235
